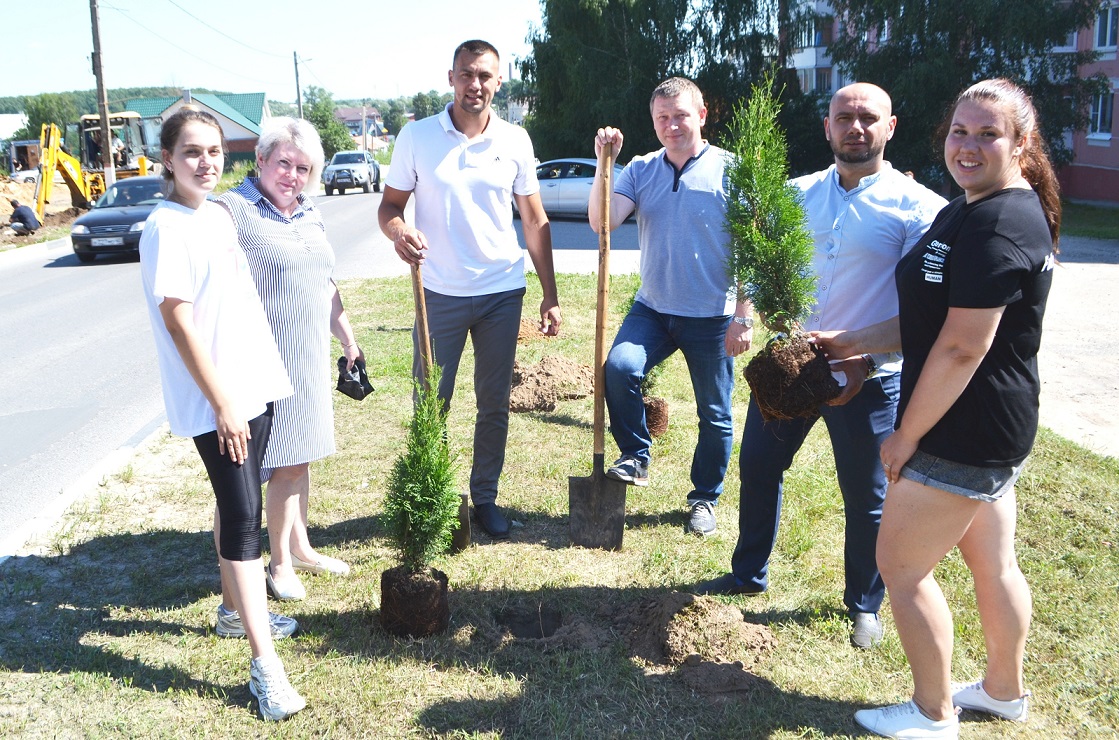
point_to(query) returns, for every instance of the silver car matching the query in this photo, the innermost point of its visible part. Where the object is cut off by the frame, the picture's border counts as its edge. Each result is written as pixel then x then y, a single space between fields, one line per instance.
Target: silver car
pixel 354 169
pixel 565 185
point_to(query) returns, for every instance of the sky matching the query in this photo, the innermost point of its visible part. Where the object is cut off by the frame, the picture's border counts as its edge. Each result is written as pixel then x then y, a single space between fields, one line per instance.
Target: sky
pixel 352 49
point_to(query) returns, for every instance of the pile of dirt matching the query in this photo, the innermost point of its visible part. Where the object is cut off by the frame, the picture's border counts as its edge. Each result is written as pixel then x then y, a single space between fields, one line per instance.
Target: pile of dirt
pixel 708 642
pixel 674 628
pixel 24 192
pixel 58 213
pixel 541 386
pixel 530 332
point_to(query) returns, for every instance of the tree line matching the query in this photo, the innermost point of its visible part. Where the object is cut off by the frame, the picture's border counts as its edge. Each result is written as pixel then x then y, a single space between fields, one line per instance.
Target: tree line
pixel 596 62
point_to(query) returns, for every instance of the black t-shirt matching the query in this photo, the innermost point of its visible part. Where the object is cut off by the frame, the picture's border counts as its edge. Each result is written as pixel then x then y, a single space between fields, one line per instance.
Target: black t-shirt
pixel 994 252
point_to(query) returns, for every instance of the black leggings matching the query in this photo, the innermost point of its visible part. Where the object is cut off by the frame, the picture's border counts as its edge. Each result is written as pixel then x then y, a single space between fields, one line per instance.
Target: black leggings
pixel 237 489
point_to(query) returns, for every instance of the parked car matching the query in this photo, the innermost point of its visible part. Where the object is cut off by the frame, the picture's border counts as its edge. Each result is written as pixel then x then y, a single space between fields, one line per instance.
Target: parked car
pixel 116 221
pixel 352 170
pixel 565 185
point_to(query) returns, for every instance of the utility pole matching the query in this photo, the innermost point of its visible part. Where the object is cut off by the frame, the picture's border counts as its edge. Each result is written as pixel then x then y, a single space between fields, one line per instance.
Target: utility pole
pixel 102 101
pixel 364 141
pixel 298 89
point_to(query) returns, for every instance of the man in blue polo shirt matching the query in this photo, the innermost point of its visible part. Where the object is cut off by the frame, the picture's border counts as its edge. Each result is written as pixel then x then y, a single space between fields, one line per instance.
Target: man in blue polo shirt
pixel 685 301
pixel 864 215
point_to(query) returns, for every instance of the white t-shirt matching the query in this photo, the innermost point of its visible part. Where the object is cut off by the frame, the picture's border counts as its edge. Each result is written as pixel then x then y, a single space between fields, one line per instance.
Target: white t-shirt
pixel 194 256
pixel 464 201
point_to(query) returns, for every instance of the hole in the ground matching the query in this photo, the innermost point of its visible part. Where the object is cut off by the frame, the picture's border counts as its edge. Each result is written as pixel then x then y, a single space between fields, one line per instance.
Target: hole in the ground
pixel 531 623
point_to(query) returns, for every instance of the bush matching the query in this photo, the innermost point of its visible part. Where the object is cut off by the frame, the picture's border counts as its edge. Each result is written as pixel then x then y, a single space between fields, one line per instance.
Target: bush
pixel 422 501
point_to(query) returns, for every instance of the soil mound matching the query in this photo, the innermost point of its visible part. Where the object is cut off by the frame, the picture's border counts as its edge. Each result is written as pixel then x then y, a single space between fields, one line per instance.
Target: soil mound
pixel 541 386
pixel 707 641
pixel 530 332
pixel 678 628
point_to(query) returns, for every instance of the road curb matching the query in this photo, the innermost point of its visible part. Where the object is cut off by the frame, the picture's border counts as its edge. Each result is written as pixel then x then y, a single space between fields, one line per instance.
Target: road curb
pixel 84 487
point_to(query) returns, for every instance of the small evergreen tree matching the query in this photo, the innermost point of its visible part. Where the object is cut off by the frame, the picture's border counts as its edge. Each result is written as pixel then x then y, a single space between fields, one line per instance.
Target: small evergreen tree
pixel 422 502
pixel 771 249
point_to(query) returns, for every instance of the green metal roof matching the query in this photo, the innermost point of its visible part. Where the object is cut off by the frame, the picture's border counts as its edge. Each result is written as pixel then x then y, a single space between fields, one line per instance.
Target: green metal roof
pixel 155 107
pixel 216 103
pixel 149 107
pixel 250 105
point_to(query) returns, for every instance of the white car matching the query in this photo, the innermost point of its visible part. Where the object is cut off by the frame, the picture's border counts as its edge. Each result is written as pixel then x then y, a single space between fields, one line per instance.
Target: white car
pixel 354 169
pixel 25 176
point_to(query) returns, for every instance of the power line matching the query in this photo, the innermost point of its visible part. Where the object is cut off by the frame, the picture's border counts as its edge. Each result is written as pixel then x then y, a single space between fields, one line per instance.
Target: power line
pixel 223 33
pixel 185 51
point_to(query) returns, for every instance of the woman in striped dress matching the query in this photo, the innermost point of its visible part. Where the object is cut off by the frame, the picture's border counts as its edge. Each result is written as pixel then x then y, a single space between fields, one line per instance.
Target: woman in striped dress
pixel 284 239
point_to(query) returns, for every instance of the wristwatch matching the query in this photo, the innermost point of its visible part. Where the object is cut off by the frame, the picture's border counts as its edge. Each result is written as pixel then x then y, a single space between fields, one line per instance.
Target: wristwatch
pixel 871 365
pixel 747 321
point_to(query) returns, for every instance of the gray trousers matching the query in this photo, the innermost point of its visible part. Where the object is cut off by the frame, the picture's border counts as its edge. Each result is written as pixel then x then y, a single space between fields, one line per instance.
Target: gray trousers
pixel 493 322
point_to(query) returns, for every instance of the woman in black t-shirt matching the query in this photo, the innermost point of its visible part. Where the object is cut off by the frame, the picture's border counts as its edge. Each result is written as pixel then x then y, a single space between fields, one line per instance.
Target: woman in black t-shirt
pixel 971 299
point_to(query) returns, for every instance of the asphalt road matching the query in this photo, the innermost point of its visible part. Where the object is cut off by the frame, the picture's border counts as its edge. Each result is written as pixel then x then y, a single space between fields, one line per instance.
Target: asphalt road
pixel 79 383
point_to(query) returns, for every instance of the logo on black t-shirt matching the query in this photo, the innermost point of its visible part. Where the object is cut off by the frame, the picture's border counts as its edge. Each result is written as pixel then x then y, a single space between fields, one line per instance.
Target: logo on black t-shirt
pixel 933 266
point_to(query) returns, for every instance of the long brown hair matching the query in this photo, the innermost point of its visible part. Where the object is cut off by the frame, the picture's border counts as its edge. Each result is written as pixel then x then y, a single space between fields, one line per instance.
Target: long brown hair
pixel 1034 160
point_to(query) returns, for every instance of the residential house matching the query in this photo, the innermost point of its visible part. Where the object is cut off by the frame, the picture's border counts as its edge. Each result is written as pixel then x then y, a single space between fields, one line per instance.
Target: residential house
pixel 240 116
pixel 1093 174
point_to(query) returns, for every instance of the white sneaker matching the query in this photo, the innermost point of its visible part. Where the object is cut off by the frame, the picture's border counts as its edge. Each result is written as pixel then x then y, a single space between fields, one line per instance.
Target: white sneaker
pixel 229 624
pixel 905 722
pixel 974 696
pixel 269 684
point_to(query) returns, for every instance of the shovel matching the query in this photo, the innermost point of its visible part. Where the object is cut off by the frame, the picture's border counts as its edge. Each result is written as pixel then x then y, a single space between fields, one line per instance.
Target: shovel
pixel 598 504
pixel 460 536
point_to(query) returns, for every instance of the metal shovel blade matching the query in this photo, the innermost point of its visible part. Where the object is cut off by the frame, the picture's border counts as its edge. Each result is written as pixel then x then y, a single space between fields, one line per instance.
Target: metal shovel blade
pixel 598 509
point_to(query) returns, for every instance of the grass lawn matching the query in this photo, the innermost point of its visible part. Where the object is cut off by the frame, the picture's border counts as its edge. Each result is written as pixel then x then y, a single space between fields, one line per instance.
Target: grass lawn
pixel 106 626
pixel 1096 222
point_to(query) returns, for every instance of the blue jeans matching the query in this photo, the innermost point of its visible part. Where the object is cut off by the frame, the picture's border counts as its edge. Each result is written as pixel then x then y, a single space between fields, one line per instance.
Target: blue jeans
pixel 493 322
pixel 646 339
pixel 857 430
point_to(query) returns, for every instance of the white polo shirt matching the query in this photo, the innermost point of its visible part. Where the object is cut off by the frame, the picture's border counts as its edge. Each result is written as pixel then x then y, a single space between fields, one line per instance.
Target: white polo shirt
pixel 464 201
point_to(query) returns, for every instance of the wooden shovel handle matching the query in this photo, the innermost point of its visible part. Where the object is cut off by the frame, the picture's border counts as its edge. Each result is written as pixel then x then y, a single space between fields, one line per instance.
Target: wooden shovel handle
pixel 421 324
pixel 606 167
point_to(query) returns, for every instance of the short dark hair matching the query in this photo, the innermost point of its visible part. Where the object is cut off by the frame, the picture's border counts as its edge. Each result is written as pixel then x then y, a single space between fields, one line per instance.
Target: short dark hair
pixel 675 87
pixel 477 47
pixel 14 202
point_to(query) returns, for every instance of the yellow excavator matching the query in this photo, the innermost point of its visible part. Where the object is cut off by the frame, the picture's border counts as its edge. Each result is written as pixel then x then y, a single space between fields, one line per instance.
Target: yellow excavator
pixel 83 174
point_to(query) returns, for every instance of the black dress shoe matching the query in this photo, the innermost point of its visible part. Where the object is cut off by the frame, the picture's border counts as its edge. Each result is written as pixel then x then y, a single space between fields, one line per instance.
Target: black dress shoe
pixel 726 585
pixel 492 521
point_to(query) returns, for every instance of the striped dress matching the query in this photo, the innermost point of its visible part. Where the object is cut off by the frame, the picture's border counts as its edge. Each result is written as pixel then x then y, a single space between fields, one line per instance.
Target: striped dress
pixel 292 262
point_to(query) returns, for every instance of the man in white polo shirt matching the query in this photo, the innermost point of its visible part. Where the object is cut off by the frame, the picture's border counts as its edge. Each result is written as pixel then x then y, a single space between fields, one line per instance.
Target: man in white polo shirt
pixel 685 301
pixel 466 167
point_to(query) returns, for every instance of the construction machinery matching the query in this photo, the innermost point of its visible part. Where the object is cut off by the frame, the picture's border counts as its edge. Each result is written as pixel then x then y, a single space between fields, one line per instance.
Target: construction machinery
pixel 83 174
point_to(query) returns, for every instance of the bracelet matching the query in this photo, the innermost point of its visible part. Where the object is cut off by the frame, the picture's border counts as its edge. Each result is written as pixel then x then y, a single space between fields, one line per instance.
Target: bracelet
pixel 349 345
pixel 747 321
pixel 871 365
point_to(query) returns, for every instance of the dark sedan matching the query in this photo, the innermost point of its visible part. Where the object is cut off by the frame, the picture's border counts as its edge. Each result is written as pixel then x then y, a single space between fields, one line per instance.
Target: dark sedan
pixel 116 221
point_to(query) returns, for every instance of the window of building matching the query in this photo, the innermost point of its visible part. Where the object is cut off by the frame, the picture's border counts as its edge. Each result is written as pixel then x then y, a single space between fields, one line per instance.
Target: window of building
pixel 1107 27
pixel 823 79
pixel 804 77
pixel 1099 121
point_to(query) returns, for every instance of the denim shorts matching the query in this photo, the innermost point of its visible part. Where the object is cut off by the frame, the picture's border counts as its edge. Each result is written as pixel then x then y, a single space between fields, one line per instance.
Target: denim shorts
pixel 969 481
